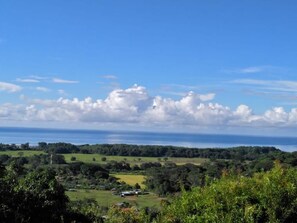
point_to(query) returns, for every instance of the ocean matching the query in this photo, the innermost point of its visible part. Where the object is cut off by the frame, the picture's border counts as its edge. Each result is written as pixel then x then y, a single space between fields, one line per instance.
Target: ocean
pixel 9 135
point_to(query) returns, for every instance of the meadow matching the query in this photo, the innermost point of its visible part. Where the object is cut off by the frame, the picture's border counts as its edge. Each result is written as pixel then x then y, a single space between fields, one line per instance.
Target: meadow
pixel 106 198
pixel 131 179
pixel 132 160
pixel 97 158
pixel 18 153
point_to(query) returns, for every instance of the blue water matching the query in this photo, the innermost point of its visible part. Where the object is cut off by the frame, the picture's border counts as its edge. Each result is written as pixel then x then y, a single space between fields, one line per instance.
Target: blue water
pixel 34 135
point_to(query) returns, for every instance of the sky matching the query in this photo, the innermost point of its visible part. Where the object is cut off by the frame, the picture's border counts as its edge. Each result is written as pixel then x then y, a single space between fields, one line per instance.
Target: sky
pixel 150 65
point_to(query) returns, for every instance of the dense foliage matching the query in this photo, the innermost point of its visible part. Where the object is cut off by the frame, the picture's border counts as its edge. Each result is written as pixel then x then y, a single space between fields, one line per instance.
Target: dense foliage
pixel 34 197
pixel 233 185
pixel 244 153
pixel 266 197
pixel 173 179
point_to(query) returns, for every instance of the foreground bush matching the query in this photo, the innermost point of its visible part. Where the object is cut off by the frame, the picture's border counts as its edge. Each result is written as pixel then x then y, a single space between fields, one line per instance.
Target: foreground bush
pixel 35 197
pixel 266 197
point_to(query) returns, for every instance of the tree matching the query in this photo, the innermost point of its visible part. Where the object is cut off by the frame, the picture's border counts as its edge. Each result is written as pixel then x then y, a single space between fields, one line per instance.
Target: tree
pixel 25 146
pixel 36 197
pixel 44 198
pixel 42 146
pixel 137 186
pixel 127 215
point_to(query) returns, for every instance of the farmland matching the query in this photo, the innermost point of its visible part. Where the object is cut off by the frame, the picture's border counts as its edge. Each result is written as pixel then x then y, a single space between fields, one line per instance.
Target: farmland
pixel 97 158
pixel 105 185
pixel 132 160
pixel 131 179
pixel 18 153
pixel 106 198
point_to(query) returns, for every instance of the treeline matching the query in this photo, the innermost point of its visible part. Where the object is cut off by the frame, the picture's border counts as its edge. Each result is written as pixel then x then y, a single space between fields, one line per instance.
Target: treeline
pixel 244 152
pixel 171 178
pixel 238 153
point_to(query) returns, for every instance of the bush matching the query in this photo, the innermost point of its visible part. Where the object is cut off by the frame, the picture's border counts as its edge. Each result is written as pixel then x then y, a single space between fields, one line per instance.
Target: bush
pixel 266 197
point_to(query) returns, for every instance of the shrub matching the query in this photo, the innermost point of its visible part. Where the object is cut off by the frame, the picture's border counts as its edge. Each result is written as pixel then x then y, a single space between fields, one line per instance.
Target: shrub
pixel 266 197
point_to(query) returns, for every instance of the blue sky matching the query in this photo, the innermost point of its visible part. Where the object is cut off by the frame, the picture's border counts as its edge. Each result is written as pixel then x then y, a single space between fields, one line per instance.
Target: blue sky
pixel 199 66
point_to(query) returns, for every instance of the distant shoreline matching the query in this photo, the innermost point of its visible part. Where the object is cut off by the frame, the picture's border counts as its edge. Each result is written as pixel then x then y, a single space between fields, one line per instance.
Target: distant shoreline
pixel 20 135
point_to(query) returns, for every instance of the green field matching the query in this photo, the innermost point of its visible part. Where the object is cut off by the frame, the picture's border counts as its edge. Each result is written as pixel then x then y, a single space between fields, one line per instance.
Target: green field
pixel 24 153
pixel 96 158
pixel 106 198
pixel 131 179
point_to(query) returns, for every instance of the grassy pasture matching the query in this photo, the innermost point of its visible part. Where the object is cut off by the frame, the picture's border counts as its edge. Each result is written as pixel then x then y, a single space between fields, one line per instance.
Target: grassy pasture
pixel 131 179
pixel 24 153
pixel 96 158
pixel 89 158
pixel 105 198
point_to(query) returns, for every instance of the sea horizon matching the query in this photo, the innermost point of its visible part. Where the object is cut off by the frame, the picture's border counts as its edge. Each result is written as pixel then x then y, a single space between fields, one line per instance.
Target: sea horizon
pixel 33 135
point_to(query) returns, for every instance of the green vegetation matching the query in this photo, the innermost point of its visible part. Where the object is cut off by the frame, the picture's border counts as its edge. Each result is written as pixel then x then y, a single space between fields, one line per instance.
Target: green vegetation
pixel 18 153
pixel 266 197
pixel 106 198
pixel 34 197
pixel 132 160
pixel 181 184
pixel 89 158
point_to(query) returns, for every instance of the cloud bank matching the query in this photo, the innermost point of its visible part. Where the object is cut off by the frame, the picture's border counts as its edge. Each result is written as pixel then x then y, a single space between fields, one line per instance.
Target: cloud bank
pixel 134 105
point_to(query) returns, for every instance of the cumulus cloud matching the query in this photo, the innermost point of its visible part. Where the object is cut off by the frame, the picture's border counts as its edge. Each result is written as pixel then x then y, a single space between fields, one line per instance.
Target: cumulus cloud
pixel 134 105
pixel 4 86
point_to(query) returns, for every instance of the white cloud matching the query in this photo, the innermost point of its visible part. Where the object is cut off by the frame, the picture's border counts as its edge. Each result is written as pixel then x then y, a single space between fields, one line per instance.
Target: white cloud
pixel 27 80
pixel 250 70
pixel 62 92
pixel 251 82
pixel 255 69
pixel 4 86
pixel 135 106
pixel 273 85
pixel 62 81
pixel 43 89
pixel 112 77
pixel 37 77
pixel 276 115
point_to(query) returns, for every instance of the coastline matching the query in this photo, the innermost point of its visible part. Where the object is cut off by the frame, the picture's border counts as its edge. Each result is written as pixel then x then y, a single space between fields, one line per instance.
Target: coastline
pixel 19 135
